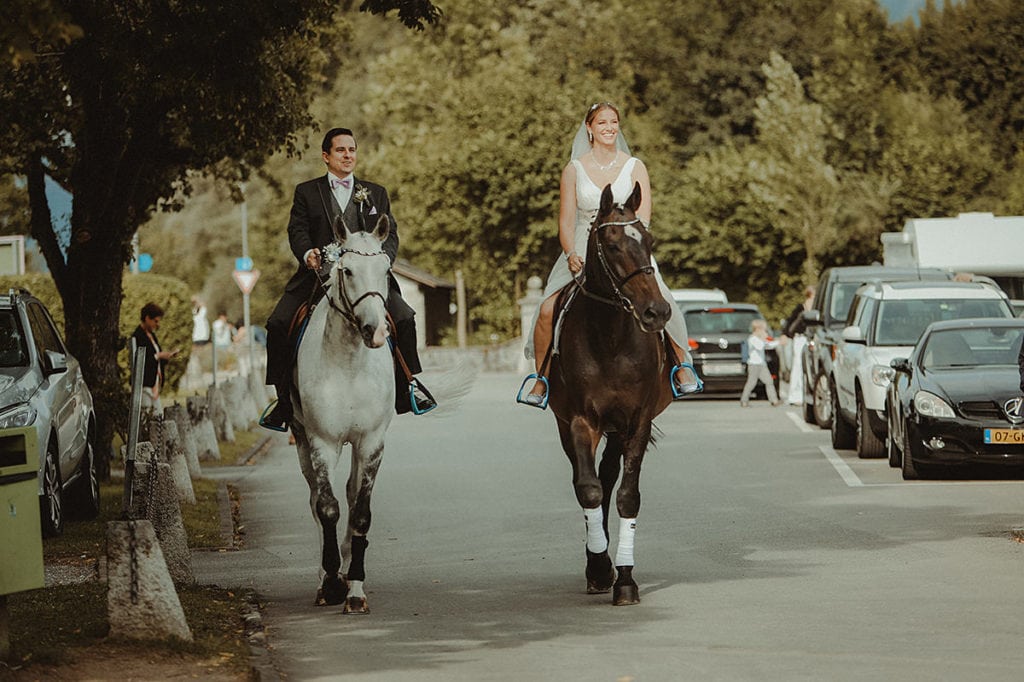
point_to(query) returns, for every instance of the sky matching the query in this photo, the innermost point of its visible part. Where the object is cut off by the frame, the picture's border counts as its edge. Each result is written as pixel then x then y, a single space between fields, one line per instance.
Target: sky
pixel 901 9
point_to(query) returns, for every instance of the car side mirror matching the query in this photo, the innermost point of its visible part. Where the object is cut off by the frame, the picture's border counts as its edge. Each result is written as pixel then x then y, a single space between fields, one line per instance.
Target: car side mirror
pixel 811 318
pixel 853 334
pixel 56 363
pixel 901 365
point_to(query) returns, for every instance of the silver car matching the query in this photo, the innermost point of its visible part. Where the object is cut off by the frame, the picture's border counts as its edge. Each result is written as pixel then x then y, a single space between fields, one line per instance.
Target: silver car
pixel 41 385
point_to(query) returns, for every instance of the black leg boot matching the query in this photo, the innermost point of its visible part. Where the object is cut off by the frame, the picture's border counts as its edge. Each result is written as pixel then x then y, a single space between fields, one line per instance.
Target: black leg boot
pixel 279 418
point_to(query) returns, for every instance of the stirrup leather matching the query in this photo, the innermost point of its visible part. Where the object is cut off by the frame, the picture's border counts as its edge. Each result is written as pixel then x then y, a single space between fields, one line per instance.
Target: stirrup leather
pixel 521 397
pixel 681 388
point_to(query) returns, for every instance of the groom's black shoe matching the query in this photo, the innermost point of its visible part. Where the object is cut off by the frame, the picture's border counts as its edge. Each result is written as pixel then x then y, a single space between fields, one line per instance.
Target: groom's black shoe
pixel 280 417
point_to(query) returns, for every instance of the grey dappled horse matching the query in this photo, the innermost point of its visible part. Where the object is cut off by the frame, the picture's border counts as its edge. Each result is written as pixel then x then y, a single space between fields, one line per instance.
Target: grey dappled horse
pixel 345 390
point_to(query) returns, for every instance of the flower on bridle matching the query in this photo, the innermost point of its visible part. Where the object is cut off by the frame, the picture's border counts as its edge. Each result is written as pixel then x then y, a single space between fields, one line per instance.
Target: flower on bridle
pixel 360 194
pixel 332 252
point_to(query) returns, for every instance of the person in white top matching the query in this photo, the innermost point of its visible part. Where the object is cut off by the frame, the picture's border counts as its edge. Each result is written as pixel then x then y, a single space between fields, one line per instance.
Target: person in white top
pixel 600 157
pixel 757 364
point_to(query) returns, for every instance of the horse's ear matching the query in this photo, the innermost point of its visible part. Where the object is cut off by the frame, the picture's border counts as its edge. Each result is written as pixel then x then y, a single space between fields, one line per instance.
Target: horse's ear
pixel 383 228
pixel 633 202
pixel 340 229
pixel 606 200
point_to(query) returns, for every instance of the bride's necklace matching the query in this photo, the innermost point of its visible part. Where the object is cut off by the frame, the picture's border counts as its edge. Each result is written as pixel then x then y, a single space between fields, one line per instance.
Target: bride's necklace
pixel 615 160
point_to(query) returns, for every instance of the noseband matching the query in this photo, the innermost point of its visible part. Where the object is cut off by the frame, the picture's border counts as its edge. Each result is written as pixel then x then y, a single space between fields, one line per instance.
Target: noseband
pixel 617 284
pixel 347 309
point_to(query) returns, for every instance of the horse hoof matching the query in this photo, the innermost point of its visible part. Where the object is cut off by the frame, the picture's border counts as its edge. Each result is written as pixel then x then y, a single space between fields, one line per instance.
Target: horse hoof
pixel 626 595
pixel 332 592
pixel 600 573
pixel 356 606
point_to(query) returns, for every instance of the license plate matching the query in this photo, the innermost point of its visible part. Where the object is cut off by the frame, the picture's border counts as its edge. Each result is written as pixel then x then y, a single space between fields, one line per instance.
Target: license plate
pixel 999 436
pixel 718 369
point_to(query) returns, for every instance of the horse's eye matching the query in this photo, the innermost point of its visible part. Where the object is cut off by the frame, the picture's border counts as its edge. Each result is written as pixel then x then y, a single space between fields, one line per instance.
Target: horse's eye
pixel 346 272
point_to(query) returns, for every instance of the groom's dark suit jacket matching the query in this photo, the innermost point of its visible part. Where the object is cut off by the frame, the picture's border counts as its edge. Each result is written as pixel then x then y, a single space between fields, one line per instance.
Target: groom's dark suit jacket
pixel 314 209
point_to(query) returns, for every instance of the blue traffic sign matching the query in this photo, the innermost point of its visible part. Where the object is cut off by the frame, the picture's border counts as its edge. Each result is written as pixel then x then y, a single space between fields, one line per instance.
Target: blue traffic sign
pixel 145 262
pixel 244 264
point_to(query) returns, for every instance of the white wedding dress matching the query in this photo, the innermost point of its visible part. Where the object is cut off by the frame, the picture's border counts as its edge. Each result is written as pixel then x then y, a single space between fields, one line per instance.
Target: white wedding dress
pixel 588 201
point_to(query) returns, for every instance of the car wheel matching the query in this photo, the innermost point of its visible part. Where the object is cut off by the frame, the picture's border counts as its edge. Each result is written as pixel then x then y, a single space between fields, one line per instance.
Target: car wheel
pixel 84 500
pixel 843 435
pixel 51 501
pixel 822 401
pixel 891 448
pixel 869 446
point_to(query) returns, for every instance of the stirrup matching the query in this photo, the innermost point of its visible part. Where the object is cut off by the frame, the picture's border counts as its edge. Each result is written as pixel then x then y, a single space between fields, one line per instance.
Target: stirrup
pixel 262 422
pixel 680 388
pixel 541 400
pixel 417 407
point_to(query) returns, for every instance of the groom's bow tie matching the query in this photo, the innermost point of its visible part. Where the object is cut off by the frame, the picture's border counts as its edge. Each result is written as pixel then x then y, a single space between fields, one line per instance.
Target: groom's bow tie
pixel 346 183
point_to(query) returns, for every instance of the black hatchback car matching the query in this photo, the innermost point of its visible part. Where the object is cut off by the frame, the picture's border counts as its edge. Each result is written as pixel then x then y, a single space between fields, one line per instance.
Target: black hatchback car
pixel 957 400
pixel 716 336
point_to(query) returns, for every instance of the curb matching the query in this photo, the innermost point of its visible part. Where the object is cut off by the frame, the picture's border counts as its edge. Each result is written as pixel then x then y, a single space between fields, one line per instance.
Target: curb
pixel 259 652
pixel 255 451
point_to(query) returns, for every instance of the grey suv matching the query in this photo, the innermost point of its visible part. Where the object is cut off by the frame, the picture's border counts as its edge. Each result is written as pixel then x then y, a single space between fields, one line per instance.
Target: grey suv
pixel 826 319
pixel 41 385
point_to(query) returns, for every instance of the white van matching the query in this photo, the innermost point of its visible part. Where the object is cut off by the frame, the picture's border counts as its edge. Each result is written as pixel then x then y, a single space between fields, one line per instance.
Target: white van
pixel 711 296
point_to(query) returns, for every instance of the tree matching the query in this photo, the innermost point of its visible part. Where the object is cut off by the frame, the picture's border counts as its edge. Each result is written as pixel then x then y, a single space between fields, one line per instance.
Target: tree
pixel 149 92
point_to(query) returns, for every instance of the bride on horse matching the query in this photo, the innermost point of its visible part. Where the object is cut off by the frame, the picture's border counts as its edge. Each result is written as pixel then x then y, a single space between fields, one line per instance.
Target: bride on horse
pixel 600 158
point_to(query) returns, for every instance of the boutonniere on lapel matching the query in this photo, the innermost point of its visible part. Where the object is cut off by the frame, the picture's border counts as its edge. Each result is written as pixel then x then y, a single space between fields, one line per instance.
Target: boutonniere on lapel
pixel 361 195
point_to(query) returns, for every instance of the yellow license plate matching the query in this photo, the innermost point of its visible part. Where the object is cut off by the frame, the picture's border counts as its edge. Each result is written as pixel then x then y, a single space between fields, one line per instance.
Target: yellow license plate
pixel 999 436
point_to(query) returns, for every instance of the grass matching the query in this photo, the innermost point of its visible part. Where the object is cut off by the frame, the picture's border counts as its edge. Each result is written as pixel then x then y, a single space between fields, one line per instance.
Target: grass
pixel 49 624
pixel 230 453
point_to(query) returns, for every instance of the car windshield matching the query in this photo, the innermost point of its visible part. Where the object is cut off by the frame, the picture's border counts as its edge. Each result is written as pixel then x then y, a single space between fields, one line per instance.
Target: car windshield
pixel 972 347
pixel 901 323
pixel 13 352
pixel 719 321
pixel 842 298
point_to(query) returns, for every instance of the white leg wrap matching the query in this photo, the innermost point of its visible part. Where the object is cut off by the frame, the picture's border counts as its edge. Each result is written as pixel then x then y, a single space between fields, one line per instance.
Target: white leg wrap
pixel 355 589
pixel 624 553
pixel 596 541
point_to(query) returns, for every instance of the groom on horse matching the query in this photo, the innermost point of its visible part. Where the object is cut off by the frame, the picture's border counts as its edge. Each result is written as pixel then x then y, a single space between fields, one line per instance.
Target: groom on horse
pixel 316 205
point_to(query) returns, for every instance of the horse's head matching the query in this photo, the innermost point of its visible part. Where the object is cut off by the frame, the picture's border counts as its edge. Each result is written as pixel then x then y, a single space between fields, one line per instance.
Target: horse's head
pixel 359 279
pixel 619 264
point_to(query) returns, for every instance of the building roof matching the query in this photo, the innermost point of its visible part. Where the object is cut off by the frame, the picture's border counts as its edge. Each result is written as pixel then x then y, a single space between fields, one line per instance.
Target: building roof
pixel 409 271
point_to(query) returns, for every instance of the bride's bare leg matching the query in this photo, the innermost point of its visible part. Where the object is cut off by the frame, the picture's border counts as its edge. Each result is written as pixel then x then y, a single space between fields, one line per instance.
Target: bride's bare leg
pixel 542 338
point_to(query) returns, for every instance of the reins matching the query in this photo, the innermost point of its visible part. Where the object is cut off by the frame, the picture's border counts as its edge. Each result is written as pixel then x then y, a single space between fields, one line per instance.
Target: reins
pixel 623 301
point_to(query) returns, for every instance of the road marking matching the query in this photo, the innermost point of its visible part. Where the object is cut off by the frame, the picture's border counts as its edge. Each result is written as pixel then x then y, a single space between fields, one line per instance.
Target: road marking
pixel 853 481
pixel 801 424
pixel 844 470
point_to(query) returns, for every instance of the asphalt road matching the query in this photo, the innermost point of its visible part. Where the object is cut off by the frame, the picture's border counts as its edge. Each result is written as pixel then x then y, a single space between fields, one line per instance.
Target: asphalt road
pixel 761 554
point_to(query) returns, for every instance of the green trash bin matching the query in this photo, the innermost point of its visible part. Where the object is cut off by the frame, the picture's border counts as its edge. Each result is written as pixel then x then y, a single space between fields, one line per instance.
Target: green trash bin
pixel 21 540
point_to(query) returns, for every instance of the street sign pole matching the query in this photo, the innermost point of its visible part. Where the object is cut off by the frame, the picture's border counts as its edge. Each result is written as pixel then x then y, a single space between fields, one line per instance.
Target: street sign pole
pixel 245 294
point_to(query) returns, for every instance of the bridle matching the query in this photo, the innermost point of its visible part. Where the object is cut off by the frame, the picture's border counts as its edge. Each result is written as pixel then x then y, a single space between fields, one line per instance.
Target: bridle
pixel 347 309
pixel 617 284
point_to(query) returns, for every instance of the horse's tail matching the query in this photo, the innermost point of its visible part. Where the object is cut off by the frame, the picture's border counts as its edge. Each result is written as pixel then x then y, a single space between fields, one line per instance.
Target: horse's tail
pixel 449 385
pixel 656 433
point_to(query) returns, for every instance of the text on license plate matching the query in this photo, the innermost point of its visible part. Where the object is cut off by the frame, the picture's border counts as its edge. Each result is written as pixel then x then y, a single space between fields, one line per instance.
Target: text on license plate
pixel 717 369
pixel 1004 436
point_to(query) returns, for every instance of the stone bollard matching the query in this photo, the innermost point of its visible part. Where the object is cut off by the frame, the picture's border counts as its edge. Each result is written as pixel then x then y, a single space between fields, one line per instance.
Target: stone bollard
pixel 175 454
pixel 155 499
pixel 219 414
pixel 186 440
pixel 142 603
pixel 238 407
pixel 202 429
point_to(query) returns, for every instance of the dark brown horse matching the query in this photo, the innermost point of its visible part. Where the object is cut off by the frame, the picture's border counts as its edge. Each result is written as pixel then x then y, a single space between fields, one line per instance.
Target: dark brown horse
pixel 610 379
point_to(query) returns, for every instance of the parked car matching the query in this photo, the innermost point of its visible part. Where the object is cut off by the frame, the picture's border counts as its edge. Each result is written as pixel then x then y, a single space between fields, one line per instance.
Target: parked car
pixel 716 337
pixel 956 399
pixel 41 385
pixel 825 321
pixel 706 296
pixel 885 322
